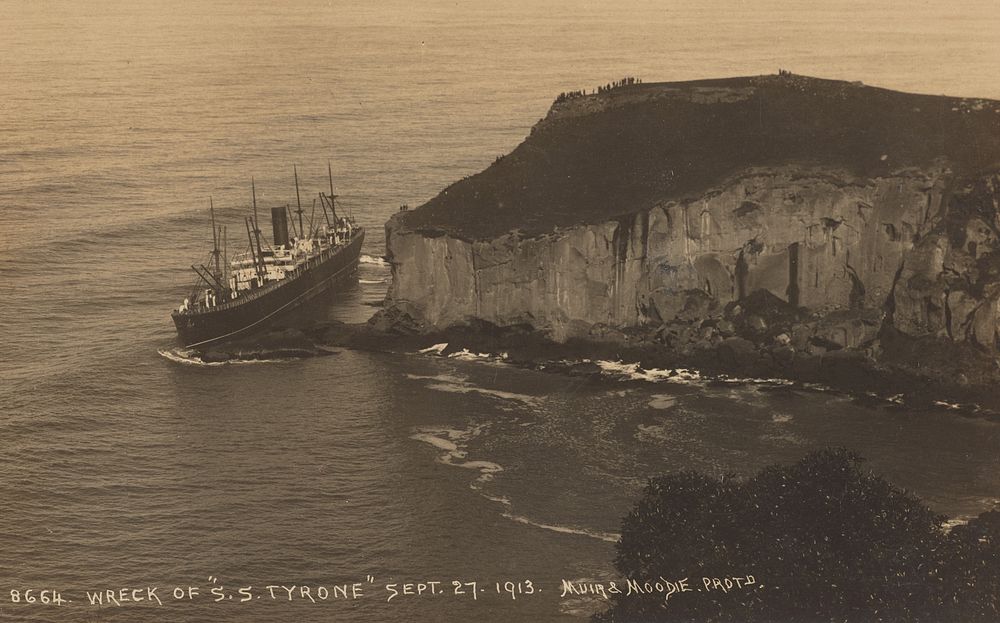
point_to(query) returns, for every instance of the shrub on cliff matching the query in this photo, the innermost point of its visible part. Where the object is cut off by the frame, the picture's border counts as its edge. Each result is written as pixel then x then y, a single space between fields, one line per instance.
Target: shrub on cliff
pixel 823 539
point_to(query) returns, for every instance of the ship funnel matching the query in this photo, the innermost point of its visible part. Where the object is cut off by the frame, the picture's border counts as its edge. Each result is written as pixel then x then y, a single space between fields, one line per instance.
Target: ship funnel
pixel 279 221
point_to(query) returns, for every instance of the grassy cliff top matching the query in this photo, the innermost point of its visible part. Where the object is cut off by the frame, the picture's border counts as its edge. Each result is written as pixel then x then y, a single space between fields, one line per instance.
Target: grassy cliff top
pixel 625 149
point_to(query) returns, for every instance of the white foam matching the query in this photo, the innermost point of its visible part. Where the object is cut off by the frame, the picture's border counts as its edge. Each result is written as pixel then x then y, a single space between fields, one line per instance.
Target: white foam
pixel 499 499
pixel 437 442
pixel 634 371
pixel 444 378
pixel 487 467
pixel 375 261
pixel 448 441
pixel 818 387
pixel 466 388
pixel 610 537
pixel 618 367
pixel 437 349
pixel 188 358
pixel 662 401
pixel 751 380
pixel 953 406
pixel 467 355
pixel 371 281
pixel 454 455
pixel 460 385
pixel 682 376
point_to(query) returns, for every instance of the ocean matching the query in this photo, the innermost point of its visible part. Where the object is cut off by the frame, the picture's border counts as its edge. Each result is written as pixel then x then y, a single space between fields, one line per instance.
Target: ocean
pixel 124 465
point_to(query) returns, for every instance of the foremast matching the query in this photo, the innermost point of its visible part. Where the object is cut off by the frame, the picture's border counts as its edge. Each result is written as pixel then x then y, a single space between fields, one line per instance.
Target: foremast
pixel 262 264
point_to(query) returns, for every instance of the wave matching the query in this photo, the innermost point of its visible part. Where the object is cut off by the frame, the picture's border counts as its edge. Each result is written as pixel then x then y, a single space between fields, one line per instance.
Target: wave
pixel 436 349
pixel 461 385
pixel 618 370
pixel 610 537
pixel 447 440
pixel 372 281
pixel 951 406
pixel 375 261
pixel 683 376
pixel 189 358
pixel 442 444
pixel 467 355
pixel 445 378
pixel 452 443
pixel 462 355
pixel 635 372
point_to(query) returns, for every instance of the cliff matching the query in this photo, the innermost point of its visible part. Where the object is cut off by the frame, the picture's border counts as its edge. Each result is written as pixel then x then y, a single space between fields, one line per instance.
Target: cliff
pixel 845 213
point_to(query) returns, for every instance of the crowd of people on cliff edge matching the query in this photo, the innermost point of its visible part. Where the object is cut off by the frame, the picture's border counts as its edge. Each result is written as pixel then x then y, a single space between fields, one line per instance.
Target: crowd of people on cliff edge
pixel 617 84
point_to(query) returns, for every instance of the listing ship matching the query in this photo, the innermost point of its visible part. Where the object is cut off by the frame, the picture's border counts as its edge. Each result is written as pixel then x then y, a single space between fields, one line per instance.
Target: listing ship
pixel 233 298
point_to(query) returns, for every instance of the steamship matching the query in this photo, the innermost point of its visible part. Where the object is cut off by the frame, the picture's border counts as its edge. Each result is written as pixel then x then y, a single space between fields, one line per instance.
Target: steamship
pixel 235 297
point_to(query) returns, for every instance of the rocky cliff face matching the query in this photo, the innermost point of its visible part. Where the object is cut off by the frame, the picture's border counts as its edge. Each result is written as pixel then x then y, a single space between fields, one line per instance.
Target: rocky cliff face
pixel 821 240
pixel 856 249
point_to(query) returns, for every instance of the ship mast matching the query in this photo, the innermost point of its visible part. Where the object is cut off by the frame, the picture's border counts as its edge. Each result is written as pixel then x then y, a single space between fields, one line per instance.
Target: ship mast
pixel 225 255
pixel 333 207
pixel 211 279
pixel 288 213
pixel 215 238
pixel 331 198
pixel 299 201
pixel 326 216
pixel 253 253
pixel 256 233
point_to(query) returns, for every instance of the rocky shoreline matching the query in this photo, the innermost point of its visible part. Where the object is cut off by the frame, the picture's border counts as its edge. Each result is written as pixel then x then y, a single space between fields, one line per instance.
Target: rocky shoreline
pixel 759 341
pixel 776 226
pixel 823 232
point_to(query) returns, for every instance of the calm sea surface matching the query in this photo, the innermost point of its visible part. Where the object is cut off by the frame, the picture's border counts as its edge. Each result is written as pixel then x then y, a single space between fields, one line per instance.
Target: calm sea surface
pixel 122 468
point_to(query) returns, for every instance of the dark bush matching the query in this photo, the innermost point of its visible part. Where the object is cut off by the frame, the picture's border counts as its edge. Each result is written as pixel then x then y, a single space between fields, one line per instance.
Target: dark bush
pixel 823 539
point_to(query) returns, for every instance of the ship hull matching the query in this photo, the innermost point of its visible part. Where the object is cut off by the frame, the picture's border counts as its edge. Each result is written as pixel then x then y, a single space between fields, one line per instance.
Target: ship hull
pixel 255 311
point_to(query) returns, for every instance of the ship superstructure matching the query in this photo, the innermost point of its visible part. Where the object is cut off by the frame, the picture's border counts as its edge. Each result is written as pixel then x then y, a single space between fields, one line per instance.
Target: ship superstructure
pixel 234 297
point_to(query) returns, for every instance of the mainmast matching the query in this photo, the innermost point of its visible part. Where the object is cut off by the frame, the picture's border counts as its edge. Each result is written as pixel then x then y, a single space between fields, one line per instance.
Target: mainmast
pixel 288 213
pixel 312 216
pixel 215 239
pixel 332 197
pixel 253 253
pixel 256 232
pixel 299 201
pixel 225 254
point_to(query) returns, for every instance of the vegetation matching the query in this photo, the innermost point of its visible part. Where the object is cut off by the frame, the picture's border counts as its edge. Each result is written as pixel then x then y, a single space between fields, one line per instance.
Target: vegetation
pixel 622 150
pixel 823 539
